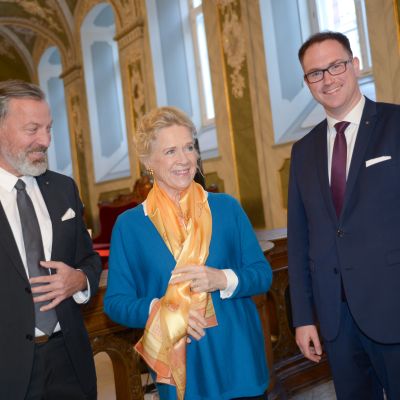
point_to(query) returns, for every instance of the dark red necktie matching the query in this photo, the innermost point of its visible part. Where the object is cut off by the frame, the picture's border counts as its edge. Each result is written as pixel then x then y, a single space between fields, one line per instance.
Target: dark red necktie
pixel 338 169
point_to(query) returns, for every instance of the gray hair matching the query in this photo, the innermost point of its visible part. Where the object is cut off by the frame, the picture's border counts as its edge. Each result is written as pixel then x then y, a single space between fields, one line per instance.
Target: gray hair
pixel 17 89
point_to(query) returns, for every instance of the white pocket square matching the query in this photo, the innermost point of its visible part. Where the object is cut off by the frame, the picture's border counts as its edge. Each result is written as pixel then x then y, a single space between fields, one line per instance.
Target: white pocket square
pixel 377 160
pixel 70 213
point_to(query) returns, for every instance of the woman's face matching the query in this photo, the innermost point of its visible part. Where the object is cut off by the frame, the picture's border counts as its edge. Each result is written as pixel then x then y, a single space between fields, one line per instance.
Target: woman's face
pixel 173 160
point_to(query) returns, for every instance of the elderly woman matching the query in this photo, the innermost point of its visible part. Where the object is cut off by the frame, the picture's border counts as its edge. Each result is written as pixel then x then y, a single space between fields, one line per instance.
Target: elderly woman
pixel 184 265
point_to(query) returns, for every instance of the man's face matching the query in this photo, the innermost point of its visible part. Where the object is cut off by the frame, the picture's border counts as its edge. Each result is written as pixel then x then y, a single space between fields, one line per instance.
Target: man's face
pixel 337 94
pixel 25 137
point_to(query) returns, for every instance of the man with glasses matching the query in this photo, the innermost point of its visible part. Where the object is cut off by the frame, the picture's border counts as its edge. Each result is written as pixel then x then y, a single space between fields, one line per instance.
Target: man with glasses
pixel 344 227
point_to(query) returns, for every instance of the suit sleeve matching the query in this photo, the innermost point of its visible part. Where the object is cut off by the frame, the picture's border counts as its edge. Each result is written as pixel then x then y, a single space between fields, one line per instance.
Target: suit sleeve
pixel 254 272
pixel 86 258
pixel 298 245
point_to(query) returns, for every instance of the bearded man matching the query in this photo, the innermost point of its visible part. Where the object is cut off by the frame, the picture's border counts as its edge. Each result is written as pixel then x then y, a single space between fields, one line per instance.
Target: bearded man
pixel 48 266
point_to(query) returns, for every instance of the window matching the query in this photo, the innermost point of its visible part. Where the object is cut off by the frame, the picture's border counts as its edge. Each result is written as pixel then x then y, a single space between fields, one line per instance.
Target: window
pixel 348 17
pixel 286 25
pixel 202 64
pixel 104 94
pixel 49 77
pixel 180 64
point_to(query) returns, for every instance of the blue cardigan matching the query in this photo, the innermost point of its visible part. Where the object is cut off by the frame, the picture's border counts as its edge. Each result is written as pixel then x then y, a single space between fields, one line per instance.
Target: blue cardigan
pixel 229 361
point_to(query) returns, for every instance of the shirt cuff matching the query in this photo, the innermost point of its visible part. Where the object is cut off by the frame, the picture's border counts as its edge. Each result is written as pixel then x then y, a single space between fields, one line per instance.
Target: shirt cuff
pixel 83 296
pixel 152 304
pixel 232 282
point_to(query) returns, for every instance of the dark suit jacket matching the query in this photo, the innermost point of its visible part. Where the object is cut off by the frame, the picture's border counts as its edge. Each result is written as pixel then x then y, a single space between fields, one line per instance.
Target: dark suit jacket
pixel 72 245
pixel 362 245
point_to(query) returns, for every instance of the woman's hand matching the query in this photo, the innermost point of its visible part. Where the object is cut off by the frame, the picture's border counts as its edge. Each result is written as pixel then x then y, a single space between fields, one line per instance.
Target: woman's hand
pixel 204 279
pixel 196 325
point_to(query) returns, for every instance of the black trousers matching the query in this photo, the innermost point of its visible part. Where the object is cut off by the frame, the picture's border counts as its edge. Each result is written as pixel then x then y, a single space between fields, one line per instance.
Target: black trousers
pixel 362 368
pixel 53 377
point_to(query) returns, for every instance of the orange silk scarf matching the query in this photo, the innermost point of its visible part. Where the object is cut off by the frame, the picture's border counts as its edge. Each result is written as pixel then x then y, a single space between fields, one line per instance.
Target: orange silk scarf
pixel 163 345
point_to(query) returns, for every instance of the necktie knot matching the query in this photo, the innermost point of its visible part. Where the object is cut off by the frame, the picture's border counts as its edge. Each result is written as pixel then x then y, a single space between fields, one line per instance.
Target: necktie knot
pixel 341 126
pixel 20 185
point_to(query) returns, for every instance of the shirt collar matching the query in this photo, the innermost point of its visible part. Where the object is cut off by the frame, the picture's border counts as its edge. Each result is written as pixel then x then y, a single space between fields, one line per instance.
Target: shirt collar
pixel 354 116
pixel 8 180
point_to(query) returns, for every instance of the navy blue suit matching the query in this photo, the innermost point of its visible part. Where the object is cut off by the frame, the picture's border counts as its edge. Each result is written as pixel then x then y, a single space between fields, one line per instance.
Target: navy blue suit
pixel 362 245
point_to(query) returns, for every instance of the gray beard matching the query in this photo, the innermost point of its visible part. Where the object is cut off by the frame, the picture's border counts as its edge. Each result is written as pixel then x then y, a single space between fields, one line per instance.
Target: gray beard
pixel 25 167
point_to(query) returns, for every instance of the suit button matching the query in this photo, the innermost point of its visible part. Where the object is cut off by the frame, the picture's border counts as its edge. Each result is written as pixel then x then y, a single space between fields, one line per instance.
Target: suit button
pixel 29 337
pixel 339 233
pixel 335 271
pixel 28 290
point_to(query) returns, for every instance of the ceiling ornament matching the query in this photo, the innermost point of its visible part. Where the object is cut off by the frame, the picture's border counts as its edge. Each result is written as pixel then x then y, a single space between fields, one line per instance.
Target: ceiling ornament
pixel 7 50
pixel 41 14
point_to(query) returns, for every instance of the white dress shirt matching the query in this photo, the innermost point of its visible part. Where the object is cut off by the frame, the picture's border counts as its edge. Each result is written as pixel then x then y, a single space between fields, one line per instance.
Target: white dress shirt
pixel 8 199
pixel 354 117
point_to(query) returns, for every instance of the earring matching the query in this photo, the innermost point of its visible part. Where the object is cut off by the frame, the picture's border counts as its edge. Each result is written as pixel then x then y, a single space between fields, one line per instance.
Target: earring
pixel 150 171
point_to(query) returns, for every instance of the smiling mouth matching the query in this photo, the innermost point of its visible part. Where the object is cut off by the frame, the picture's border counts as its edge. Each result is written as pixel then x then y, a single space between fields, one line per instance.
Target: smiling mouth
pixel 182 172
pixel 333 90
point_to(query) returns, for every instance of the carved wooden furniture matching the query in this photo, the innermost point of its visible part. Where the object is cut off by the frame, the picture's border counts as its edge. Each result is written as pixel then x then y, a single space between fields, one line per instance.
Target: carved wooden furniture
pixel 117 341
pixel 293 372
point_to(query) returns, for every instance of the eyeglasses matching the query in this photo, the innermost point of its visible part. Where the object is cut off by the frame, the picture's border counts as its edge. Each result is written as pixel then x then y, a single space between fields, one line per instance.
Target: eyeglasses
pixel 335 69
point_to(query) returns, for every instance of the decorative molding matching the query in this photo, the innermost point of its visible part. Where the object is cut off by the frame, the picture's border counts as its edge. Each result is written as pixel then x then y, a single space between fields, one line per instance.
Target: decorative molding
pixel 233 44
pixel 7 49
pixel 71 74
pixel 137 92
pixel 76 125
pixel 40 14
pixel 130 35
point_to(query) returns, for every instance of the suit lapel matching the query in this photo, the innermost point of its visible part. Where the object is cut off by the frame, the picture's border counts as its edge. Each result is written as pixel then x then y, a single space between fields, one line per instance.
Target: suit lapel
pixel 321 150
pixel 9 245
pixel 367 125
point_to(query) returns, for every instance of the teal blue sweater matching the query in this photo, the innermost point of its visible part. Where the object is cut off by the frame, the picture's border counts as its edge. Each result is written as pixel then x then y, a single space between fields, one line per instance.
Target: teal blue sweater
pixel 229 361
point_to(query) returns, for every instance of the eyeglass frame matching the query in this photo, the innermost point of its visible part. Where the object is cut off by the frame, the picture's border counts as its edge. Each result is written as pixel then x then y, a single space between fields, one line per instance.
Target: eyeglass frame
pixel 344 63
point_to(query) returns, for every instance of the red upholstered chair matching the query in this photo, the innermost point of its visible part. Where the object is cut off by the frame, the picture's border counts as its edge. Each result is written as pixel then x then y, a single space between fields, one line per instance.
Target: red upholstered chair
pixel 108 214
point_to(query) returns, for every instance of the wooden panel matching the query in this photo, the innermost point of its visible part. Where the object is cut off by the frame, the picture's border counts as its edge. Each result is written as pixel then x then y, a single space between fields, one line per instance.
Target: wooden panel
pixel 293 371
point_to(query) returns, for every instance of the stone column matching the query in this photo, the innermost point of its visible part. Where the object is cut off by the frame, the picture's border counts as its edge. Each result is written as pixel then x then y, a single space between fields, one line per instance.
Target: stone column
pixel 238 165
pixel 79 134
pixel 138 88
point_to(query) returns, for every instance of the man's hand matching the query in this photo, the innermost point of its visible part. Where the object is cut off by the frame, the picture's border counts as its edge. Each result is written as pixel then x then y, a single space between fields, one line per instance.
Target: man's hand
pixel 204 279
pixel 308 341
pixel 59 286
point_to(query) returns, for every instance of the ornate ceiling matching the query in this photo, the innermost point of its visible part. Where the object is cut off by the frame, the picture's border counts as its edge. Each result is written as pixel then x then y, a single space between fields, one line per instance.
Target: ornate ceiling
pixel 28 27
pixel 24 24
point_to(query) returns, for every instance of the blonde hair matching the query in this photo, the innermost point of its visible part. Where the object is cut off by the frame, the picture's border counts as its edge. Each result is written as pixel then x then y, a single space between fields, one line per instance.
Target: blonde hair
pixel 155 120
